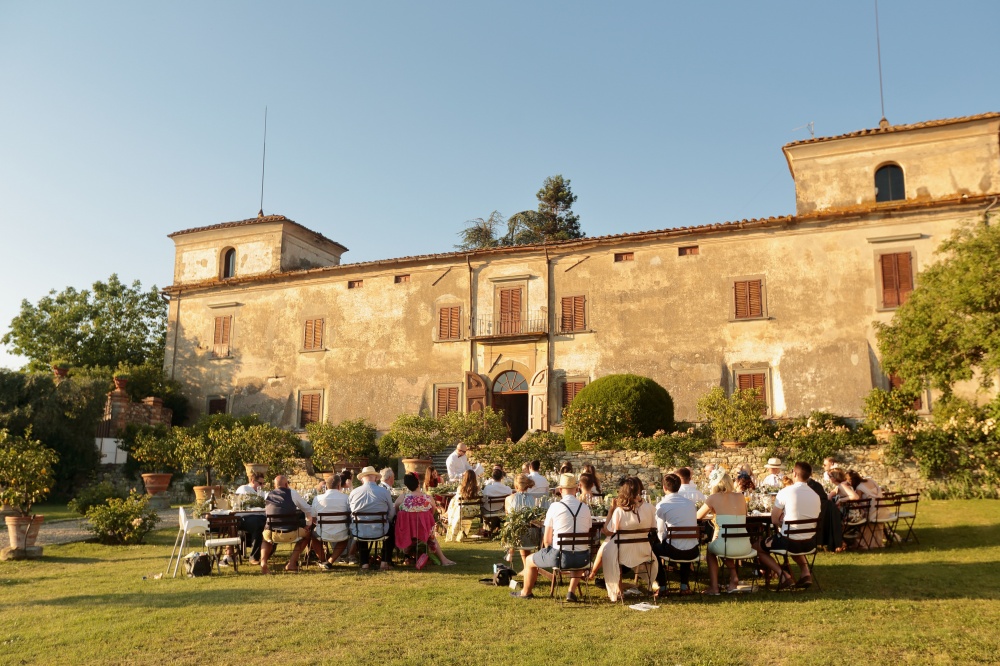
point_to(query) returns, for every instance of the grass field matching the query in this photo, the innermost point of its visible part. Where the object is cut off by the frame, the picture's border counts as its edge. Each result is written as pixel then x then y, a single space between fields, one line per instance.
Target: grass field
pixel 936 603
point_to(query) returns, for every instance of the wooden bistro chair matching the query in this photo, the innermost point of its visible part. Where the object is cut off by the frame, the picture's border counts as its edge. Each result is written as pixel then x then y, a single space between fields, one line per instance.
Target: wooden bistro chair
pixel 187 526
pixel 377 545
pixel 732 532
pixel 284 528
pixel 332 519
pixel 854 515
pixel 804 526
pixel 570 539
pixel 493 511
pixel 641 536
pixel 469 511
pixel 906 513
pixel 677 534
pixel 224 532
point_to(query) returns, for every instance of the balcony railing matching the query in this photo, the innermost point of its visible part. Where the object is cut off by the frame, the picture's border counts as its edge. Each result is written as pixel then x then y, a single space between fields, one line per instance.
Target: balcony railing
pixel 510 326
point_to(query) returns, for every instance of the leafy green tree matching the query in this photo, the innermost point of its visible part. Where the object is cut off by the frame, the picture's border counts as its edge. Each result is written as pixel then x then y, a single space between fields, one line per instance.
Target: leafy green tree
pixel 554 220
pixel 480 233
pixel 949 328
pixel 110 324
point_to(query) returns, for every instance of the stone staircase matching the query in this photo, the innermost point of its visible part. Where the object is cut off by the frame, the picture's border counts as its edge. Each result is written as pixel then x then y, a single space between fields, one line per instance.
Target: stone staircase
pixel 440 461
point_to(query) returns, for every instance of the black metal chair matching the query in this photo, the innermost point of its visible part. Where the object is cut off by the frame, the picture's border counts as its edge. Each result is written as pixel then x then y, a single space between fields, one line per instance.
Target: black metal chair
pixel 906 513
pixel 493 511
pixel 568 542
pixel 285 528
pixel 681 534
pixel 331 519
pixel 224 532
pixel 376 545
pixel 732 532
pixel 637 536
pixel 854 516
pixel 801 527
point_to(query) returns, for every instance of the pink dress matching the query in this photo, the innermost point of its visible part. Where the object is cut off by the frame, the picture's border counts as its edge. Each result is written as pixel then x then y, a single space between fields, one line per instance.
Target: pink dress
pixel 414 520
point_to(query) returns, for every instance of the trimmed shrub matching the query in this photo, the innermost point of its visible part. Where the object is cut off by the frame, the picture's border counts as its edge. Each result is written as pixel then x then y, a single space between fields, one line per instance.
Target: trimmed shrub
pixel 122 521
pixel 96 493
pixel 618 406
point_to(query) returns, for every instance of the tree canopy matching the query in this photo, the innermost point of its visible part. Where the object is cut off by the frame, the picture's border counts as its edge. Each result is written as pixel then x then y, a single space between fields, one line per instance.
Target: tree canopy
pixel 949 329
pixel 554 220
pixel 110 324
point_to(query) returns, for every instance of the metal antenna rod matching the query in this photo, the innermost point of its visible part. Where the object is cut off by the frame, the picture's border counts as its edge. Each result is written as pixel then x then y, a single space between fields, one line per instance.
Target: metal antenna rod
pixel 263 161
pixel 878 47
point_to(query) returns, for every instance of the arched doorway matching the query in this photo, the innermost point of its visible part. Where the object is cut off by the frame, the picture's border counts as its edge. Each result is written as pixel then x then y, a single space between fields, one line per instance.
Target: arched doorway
pixel 510 394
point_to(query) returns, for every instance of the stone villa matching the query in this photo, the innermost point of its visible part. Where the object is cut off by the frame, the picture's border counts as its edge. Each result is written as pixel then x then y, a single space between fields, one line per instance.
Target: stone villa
pixel 265 318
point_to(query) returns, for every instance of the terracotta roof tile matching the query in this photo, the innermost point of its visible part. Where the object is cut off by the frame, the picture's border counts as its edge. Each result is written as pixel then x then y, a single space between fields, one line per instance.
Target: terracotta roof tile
pixel 899 128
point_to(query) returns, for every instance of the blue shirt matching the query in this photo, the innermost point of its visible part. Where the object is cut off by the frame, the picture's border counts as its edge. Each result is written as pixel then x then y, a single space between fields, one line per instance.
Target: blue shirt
pixel 370 497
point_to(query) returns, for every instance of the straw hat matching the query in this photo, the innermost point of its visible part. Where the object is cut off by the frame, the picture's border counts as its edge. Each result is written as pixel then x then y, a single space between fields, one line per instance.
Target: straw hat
pixel 368 471
pixel 567 481
pixel 773 463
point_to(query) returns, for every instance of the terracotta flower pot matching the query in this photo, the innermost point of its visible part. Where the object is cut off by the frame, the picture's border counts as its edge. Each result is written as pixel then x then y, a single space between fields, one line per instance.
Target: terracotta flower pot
pixel 23 530
pixel 733 444
pixel 417 465
pixel 156 483
pixel 203 493
pixel 255 468
pixel 587 446
pixel 120 383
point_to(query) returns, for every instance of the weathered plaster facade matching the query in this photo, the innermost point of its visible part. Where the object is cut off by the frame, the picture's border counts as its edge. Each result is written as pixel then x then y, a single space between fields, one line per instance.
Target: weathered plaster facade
pixel 653 306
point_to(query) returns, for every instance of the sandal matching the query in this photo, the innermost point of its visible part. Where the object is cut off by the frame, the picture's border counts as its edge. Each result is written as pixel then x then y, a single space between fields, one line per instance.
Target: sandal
pixel 804 583
pixel 785 583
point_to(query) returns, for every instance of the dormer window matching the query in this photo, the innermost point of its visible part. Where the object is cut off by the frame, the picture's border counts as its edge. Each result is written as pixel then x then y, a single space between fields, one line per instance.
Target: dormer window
pixel 229 264
pixel 889 183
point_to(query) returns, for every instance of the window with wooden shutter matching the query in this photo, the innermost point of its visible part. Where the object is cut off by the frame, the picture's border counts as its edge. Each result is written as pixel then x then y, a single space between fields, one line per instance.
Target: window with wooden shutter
pixel 355 284
pixel 748 296
pixel 217 406
pixel 310 406
pixel 510 311
pixel 896 383
pixel 312 334
pixel 688 251
pixel 402 279
pixel 574 313
pixel 221 338
pixel 569 391
pixel 450 323
pixel 624 256
pixel 756 381
pixel 446 400
pixel 897 278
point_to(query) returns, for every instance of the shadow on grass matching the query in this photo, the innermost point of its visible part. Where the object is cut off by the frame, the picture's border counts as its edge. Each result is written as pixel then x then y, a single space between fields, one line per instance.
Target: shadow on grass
pixel 950 538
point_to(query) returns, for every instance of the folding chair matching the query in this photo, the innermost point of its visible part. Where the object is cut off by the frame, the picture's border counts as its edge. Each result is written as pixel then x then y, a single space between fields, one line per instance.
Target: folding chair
pixel 187 526
pixel 732 532
pixel 804 526
pixel 640 536
pixel 679 534
pixel 224 532
pixel 854 515
pixel 284 528
pixel 493 511
pixel 886 510
pixel 906 512
pixel 469 511
pixel 567 542
pixel 331 519
pixel 360 519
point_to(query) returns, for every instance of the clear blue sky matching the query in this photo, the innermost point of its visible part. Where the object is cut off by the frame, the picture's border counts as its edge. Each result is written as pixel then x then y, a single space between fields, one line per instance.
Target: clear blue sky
pixel 392 123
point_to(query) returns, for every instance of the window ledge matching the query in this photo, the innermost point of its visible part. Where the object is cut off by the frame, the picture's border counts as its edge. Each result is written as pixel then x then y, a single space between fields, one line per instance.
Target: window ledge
pixel 436 340
pixel 313 351
pixel 882 308
pixel 221 358
pixel 733 320
pixel 586 330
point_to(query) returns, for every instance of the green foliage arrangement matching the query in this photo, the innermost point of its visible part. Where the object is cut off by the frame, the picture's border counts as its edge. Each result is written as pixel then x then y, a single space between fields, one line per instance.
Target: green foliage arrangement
pixel 890 410
pixel 949 329
pixel 265 444
pixel 738 417
pixel 413 436
pixel 669 449
pixel 516 528
pixel 538 445
pixel 347 441
pixel 94 494
pixel 155 448
pixel 618 406
pixel 122 521
pixel 815 437
pixel 209 446
pixel 475 429
pixel 25 470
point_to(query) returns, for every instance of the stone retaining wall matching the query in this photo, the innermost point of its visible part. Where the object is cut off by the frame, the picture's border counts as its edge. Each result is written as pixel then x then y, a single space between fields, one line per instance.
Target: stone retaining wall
pixel 868 461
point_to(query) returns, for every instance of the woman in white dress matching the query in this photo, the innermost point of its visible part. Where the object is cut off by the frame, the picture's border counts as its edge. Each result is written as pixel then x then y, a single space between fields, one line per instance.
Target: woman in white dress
pixel 464 506
pixel 631 513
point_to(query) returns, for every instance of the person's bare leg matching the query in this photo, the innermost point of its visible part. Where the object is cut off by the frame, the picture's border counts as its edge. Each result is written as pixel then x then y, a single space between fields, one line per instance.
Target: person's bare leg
pixel 734 578
pixel 337 551
pixel 530 576
pixel 772 564
pixel 803 565
pixel 266 548
pixel 436 549
pixel 294 557
pixel 713 574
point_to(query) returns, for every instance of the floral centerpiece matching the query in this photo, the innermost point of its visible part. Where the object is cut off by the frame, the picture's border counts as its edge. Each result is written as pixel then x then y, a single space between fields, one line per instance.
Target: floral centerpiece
pixel 517 530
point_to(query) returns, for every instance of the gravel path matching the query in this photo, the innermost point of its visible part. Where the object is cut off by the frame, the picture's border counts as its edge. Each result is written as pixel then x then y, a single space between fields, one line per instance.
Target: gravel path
pixel 68 531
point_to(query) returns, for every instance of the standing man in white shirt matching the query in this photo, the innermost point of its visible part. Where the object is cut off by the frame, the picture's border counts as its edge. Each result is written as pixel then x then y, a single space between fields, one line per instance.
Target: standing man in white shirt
pixel 675 510
pixel 568 515
pixel 688 489
pixel 795 502
pixel 458 463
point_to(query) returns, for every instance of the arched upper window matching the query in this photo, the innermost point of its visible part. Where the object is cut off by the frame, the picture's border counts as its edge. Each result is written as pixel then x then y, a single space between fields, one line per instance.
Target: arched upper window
pixel 889 183
pixel 510 382
pixel 228 264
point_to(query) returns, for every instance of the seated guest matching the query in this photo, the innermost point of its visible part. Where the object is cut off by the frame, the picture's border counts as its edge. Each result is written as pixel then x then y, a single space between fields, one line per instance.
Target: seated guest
pixel 331 501
pixel 727 507
pixel 569 515
pixel 774 473
pixel 744 483
pixel 631 513
pixel 464 506
pixel 431 479
pixel 707 484
pixel 458 463
pixel 688 489
pixel 495 489
pixel 872 533
pixel 588 489
pixel 829 463
pixel 675 510
pixel 285 500
pixel 370 497
pixel 589 469
pixel 566 468
pixel 388 478
pixel 830 534
pixel 415 519
pixel 521 499
pixel 254 486
pixel 796 502
pixel 346 481
pixel 842 489
pixel 541 487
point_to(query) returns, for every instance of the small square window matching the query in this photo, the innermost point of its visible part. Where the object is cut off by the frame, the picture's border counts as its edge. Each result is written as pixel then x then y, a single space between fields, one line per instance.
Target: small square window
pixel 688 251
pixel 446 400
pixel 355 284
pixel 218 405
pixel 400 279
pixel 310 407
pixel 624 256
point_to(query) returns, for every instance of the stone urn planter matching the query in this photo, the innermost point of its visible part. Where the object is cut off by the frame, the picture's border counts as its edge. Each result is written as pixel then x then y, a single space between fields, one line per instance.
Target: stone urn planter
pixel 156 483
pixel 733 444
pixel 120 383
pixel 203 493
pixel 255 468
pixel 23 530
pixel 882 436
pixel 417 465
pixel 587 446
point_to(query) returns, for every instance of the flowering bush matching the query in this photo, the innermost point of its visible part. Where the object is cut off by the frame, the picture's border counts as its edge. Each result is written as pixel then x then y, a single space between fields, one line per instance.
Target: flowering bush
pixel 669 449
pixel 347 441
pixel 738 417
pixel 813 438
pixel 122 521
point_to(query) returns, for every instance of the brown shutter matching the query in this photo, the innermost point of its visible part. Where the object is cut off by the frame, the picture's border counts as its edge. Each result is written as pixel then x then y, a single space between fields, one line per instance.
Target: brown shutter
pixel 221 336
pixel 754 381
pixel 510 310
pixel 309 410
pixel 307 335
pixel 755 302
pixel 904 275
pixel 318 327
pixel 896 382
pixel 742 310
pixel 580 313
pixel 447 400
pixel 444 324
pixel 890 281
pixel 567 314
pixel 456 324
pixel 570 390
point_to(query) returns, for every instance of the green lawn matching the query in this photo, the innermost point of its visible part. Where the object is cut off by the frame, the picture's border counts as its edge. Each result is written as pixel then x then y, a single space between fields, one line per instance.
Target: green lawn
pixel 85 603
pixel 55 511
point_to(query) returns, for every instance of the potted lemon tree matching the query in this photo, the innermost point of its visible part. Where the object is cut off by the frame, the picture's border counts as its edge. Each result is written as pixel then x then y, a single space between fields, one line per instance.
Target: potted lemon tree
pixel 25 479
pixel 156 451
pixel 414 438
pixel 349 444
